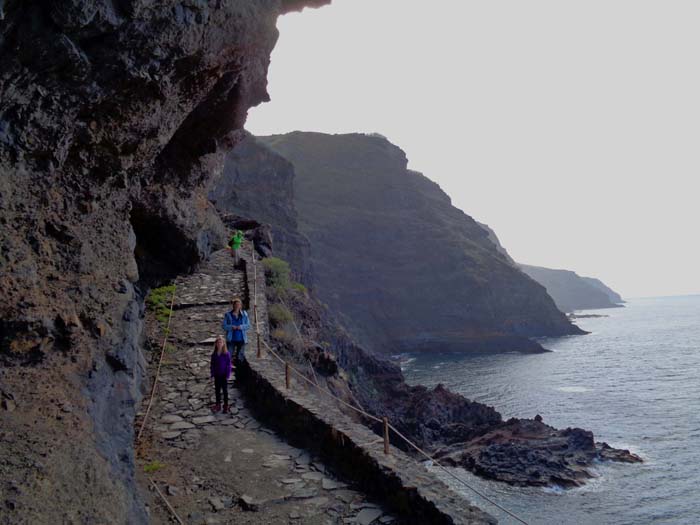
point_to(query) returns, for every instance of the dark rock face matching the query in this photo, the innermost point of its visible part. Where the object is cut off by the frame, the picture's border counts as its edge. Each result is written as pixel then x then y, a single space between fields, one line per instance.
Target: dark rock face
pixel 257 182
pixel 113 115
pixel 570 291
pixel 403 268
pixel 528 452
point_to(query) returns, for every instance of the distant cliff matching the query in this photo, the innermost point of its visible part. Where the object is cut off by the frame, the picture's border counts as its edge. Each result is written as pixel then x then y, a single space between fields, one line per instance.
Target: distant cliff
pixel 569 290
pixel 402 268
pixel 572 292
pixel 600 285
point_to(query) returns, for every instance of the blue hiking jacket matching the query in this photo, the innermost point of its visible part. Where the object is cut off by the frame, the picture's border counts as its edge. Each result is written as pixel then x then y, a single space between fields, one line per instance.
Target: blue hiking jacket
pixel 230 321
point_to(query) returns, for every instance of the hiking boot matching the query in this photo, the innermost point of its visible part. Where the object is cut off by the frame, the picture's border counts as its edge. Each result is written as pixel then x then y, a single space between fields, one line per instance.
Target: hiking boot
pixel 226 410
pixel 216 408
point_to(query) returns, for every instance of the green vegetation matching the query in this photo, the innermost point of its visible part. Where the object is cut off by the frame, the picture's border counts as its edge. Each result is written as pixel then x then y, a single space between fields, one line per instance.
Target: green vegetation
pixel 283 336
pixel 277 272
pixel 153 466
pixel 299 287
pixel 158 302
pixel 279 314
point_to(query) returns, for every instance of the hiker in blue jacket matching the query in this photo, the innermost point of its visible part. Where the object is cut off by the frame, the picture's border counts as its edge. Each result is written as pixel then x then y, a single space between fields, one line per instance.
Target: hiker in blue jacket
pixel 236 326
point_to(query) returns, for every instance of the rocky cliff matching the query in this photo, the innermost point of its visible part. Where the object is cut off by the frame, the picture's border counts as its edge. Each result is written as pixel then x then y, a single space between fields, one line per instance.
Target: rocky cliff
pixel 404 269
pixel 259 183
pixel 569 290
pixel 113 115
pixel 572 292
pixel 614 297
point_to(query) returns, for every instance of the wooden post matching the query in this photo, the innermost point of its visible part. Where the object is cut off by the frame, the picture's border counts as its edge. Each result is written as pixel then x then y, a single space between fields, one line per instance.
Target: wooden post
pixel 287 378
pixel 386 435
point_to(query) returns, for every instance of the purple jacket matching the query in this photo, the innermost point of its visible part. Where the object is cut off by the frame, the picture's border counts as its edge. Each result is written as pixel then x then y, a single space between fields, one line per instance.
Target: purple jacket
pixel 221 365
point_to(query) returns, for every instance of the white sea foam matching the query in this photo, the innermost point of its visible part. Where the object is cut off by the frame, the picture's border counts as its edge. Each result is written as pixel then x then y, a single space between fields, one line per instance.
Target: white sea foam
pixel 572 389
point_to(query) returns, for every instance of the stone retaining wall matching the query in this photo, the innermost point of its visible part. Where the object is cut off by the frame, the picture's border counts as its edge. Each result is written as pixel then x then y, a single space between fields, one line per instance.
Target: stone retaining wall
pixel 313 420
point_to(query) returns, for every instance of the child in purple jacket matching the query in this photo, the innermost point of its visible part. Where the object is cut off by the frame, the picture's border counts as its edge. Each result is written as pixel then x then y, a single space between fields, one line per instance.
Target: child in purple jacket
pixel 220 371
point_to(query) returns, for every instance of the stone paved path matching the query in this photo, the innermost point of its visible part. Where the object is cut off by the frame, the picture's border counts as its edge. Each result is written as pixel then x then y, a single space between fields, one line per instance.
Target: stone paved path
pixel 229 468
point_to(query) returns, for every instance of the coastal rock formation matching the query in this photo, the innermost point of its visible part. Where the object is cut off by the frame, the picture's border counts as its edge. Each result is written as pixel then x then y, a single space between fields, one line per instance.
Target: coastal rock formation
pixel 614 297
pixel 528 452
pixel 569 290
pixel 461 431
pixel 113 115
pixel 403 268
pixel 457 430
pixel 572 292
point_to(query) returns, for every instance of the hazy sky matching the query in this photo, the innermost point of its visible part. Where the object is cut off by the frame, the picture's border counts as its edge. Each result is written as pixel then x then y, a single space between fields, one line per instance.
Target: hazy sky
pixel 572 128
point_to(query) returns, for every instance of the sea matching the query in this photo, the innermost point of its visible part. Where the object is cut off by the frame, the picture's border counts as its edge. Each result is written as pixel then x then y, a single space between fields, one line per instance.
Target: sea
pixel 634 380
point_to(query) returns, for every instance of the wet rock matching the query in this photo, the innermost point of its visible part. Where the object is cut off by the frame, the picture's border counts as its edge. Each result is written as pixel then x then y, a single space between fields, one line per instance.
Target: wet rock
pixel 171 435
pixel 172 490
pixel 606 452
pixel 312 476
pixel 171 418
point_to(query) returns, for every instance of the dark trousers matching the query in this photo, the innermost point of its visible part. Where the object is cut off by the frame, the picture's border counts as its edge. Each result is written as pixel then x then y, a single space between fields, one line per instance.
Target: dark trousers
pixel 235 348
pixel 220 383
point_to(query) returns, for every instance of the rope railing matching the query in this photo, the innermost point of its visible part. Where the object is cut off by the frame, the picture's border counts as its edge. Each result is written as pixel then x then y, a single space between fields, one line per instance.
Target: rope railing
pixel 167 503
pixel 148 410
pixel 160 363
pixel 383 421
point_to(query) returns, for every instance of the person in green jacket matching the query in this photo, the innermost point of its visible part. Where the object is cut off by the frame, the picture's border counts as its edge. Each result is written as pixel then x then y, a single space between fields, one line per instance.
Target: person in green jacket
pixel 235 244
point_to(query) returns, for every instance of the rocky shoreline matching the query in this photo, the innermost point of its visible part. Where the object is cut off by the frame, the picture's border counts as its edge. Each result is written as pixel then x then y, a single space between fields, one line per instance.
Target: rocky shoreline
pixel 527 452
pixel 460 431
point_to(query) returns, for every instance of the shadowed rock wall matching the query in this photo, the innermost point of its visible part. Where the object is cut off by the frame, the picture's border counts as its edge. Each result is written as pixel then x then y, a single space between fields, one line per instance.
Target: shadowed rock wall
pixel 113 115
